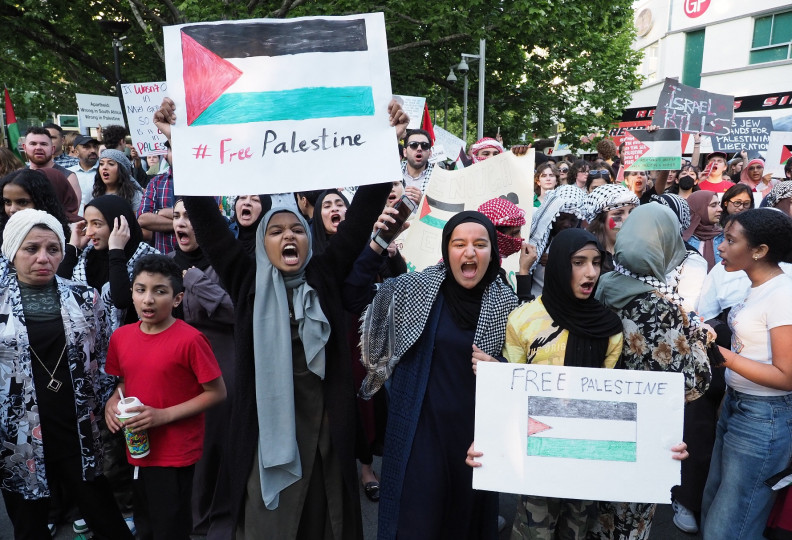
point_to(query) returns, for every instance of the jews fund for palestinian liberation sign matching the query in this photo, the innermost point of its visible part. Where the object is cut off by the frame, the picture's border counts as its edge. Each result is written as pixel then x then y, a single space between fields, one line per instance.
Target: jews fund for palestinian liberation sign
pixel 693 110
pixel 659 150
pixel 578 433
pixel 273 105
pixel 749 133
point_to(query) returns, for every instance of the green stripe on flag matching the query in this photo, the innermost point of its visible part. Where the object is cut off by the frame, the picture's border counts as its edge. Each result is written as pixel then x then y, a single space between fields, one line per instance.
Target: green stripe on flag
pixel 433 222
pixel 582 449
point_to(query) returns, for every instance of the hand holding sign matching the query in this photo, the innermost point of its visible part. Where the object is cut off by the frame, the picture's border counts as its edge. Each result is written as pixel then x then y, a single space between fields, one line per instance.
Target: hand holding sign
pixel 693 110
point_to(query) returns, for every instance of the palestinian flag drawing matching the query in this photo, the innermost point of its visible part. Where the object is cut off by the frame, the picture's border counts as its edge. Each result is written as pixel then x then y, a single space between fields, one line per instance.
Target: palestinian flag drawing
pixel 221 62
pixel 582 429
pixel 430 204
pixel 659 150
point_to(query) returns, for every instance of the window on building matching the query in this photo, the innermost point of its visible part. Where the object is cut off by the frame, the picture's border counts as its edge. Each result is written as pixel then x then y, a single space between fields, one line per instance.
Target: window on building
pixel 650 62
pixel 772 38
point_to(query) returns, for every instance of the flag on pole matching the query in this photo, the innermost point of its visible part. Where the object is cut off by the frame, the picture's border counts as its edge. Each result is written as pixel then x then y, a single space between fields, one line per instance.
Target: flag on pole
pixel 11 126
pixel 426 122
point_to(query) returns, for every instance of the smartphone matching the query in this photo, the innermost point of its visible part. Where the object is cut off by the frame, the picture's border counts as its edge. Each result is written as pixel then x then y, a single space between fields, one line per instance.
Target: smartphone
pixel 383 237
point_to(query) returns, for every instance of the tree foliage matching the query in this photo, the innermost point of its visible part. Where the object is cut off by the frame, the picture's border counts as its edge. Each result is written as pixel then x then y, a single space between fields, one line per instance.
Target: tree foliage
pixel 547 61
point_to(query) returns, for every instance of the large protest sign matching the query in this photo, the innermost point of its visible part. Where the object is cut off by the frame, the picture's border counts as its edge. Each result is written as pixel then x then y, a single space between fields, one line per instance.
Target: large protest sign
pixel 272 104
pixel 658 150
pixel 141 101
pixel 693 110
pixel 95 111
pixel 414 107
pixel 779 150
pixel 749 133
pixel 572 432
pixel 451 192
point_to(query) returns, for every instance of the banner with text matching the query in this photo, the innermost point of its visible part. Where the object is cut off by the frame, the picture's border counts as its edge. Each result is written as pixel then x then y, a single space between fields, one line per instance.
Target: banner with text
pixel 557 431
pixel 269 105
pixel 693 110
pixel 451 192
pixel 749 133
pixel 141 101
pixel 95 111
pixel 658 150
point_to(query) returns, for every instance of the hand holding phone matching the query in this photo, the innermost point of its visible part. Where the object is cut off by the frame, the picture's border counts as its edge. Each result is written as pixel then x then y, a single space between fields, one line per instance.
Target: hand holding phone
pixel 403 207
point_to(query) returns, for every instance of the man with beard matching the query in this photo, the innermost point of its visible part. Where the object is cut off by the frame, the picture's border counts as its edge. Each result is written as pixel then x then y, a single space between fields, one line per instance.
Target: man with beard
pixel 88 154
pixel 416 168
pixel 39 152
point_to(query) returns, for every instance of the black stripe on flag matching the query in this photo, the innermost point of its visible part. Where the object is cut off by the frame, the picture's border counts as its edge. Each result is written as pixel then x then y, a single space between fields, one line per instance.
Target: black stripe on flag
pixel 448 207
pixel 669 134
pixel 277 39
pixel 582 408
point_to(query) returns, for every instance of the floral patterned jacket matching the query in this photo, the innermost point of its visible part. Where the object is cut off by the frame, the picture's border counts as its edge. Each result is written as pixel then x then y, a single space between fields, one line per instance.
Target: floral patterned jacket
pixel 87 336
pixel 659 337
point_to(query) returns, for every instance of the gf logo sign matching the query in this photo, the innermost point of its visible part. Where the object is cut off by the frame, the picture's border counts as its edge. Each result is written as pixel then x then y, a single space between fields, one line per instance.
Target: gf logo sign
pixel 695 8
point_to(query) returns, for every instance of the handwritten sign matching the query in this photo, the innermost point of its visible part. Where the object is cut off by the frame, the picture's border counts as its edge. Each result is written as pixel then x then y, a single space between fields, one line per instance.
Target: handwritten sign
pixel 446 146
pixel 659 150
pixel 141 101
pixel 693 110
pixel 99 110
pixel 749 133
pixel 451 192
pixel 779 150
pixel 569 432
pixel 414 107
pixel 268 103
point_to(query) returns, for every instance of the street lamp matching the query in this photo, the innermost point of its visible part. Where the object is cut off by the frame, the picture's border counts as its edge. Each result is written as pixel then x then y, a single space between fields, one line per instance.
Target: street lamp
pixel 116 28
pixel 464 68
pixel 452 78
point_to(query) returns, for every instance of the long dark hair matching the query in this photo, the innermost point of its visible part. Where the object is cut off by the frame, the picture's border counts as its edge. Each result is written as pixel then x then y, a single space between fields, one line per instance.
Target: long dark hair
pixel 40 192
pixel 126 189
pixel 730 193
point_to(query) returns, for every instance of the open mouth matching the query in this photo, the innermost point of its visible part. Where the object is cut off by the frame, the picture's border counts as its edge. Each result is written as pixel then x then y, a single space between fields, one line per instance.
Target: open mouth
pixel 587 287
pixel 182 237
pixel 335 219
pixel 245 213
pixel 469 269
pixel 290 254
pixel 147 313
pixel 392 197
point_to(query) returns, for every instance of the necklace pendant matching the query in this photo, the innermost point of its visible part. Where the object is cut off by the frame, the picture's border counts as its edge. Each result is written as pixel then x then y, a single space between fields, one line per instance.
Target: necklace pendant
pixel 54 384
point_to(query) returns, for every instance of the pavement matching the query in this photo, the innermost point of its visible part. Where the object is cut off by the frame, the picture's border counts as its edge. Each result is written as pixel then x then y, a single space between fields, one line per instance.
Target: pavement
pixel 662 527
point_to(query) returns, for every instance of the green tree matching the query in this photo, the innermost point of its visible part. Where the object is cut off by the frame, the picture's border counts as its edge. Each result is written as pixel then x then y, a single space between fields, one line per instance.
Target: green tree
pixel 547 61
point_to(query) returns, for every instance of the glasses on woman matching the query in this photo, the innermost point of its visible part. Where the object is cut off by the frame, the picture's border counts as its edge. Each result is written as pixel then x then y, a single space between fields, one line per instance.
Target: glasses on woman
pixel 564 169
pixel 740 204
pixel 602 173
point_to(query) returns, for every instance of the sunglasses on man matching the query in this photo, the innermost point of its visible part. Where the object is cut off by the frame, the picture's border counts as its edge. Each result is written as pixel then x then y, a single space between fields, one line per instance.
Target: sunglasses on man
pixel 424 145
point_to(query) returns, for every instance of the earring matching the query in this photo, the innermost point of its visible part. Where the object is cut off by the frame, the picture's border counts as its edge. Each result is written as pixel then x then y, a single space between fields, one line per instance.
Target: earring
pixel 756 257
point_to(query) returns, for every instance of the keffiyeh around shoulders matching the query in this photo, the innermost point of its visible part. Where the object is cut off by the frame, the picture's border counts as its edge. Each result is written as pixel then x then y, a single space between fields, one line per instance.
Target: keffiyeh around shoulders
pixel 384 341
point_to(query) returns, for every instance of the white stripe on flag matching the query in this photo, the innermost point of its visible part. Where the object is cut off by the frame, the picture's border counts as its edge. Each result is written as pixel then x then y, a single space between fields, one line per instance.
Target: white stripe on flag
pixel 584 428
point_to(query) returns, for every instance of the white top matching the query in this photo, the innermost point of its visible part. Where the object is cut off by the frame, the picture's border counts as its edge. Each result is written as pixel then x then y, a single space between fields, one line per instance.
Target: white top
pixel 766 307
pixel 721 290
pixel 691 276
pixel 86 180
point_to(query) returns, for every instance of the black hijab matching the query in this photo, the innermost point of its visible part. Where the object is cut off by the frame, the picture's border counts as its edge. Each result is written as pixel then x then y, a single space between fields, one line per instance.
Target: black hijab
pixel 188 259
pixel 97 264
pixel 319 236
pixel 590 323
pixel 247 235
pixel 465 304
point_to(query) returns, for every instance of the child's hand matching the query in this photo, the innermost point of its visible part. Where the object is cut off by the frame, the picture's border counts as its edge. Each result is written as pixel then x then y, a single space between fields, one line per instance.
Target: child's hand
pixel 148 418
pixel 111 409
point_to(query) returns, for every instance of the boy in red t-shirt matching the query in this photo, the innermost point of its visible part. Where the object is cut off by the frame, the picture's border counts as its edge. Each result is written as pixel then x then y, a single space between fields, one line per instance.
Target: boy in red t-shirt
pixel 716 164
pixel 170 367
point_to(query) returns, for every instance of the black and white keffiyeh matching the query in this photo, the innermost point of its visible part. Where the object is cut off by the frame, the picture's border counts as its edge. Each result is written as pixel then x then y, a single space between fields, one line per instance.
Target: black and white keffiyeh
pixel 607 197
pixel 678 205
pixel 667 289
pixel 394 321
pixel 780 192
pixel 565 199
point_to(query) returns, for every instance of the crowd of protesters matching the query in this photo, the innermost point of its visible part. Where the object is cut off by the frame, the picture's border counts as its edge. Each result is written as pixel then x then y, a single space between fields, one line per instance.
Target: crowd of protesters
pixel 273 343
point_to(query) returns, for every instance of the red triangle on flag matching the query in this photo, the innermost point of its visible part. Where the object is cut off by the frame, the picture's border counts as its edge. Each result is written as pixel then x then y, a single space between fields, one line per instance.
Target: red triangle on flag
pixel 425 208
pixel 633 149
pixel 786 153
pixel 206 76
pixel 535 426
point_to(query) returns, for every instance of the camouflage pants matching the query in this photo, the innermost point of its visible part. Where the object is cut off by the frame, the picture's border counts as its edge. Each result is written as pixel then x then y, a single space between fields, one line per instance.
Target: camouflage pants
pixel 547 518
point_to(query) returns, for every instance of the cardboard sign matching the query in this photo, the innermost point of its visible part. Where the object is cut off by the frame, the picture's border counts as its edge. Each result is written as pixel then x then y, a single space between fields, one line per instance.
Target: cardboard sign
pixel 693 110
pixel 779 150
pixel 557 431
pixel 653 150
pixel 141 101
pixel 95 111
pixel 451 192
pixel 414 107
pixel 749 133
pixel 269 103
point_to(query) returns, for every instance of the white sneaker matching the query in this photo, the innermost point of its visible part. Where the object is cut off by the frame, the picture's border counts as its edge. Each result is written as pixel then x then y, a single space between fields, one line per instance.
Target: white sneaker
pixel 684 519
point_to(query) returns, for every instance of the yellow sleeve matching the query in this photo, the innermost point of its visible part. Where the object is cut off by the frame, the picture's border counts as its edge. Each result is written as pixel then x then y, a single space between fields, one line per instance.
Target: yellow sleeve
pixel 512 349
pixel 615 344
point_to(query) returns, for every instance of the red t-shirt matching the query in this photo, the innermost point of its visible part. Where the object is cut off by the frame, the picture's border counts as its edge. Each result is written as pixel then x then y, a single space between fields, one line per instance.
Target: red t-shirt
pixel 163 370
pixel 720 187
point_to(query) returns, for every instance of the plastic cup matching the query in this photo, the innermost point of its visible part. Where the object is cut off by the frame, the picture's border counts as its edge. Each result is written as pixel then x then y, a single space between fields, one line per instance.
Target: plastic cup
pixel 137 443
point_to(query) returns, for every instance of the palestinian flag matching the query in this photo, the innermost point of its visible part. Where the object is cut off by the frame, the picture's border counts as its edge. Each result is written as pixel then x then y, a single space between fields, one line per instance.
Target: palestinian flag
pixel 11 125
pixel 582 429
pixel 656 150
pixel 426 122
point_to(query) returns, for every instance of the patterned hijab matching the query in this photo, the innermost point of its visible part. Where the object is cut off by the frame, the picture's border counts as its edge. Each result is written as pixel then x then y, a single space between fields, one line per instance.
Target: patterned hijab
pixel 565 199
pixel 605 198
pixel 481 144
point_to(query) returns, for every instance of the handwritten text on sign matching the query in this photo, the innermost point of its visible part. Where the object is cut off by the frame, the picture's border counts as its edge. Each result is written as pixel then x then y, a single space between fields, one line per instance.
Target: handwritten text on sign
pixel 751 134
pixel 141 101
pixel 693 110
pixel 266 103
pixel 567 432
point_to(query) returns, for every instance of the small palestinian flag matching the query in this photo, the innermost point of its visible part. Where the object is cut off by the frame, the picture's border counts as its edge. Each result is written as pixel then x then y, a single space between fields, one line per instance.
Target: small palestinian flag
pixel 12 126
pixel 582 429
